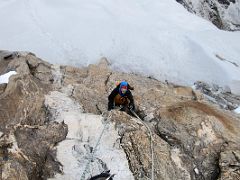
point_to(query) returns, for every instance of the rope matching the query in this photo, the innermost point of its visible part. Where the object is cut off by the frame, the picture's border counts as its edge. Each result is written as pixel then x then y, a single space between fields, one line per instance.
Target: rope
pixel 99 139
pixel 93 152
pixel 151 140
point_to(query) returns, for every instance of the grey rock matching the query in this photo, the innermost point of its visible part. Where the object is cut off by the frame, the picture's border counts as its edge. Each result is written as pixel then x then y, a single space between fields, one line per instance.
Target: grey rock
pixel 226 89
pixel 222 13
pixel 220 96
pixel 230 163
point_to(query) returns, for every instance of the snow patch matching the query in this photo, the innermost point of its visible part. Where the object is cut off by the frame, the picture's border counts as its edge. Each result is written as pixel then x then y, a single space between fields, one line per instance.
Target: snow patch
pixel 5 77
pixel 237 110
pixel 196 170
pixel 91 145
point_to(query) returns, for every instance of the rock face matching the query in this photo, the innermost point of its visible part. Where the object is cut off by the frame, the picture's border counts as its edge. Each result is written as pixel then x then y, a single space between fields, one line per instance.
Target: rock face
pixel 55 124
pixel 28 136
pixel 222 13
pixel 221 96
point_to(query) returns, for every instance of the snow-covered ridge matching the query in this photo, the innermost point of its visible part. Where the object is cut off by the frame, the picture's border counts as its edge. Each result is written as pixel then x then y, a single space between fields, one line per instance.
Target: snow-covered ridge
pixel 224 14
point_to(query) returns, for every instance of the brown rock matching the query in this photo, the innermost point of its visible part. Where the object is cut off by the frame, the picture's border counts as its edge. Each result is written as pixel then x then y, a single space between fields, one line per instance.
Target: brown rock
pixel 13 170
pixel 2 88
pixel 192 138
pixel 230 164
pixel 26 147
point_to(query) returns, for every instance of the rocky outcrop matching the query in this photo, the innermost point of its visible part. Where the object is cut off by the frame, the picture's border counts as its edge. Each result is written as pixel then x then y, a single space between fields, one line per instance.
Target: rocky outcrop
pixel 221 96
pixel 28 135
pixel 55 123
pixel 222 13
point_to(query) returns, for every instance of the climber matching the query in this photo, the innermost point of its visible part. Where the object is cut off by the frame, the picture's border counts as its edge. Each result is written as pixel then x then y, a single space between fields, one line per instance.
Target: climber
pixel 121 96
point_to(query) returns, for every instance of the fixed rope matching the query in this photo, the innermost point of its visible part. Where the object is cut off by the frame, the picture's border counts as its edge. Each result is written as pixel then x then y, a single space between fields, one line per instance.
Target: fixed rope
pixel 93 152
pixel 99 139
pixel 151 141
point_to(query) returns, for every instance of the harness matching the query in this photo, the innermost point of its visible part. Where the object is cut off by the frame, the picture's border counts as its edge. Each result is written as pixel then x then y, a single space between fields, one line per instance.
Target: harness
pixel 121 100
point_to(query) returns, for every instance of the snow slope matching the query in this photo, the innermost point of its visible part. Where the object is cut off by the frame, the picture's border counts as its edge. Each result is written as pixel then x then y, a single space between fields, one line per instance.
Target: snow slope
pixel 157 38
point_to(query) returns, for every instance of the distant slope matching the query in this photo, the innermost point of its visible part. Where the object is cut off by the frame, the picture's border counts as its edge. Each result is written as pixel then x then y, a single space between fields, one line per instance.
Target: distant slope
pixel 225 14
pixel 154 38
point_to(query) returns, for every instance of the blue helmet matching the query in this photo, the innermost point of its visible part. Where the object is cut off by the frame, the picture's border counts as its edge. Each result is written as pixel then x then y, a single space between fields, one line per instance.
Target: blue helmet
pixel 123 85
